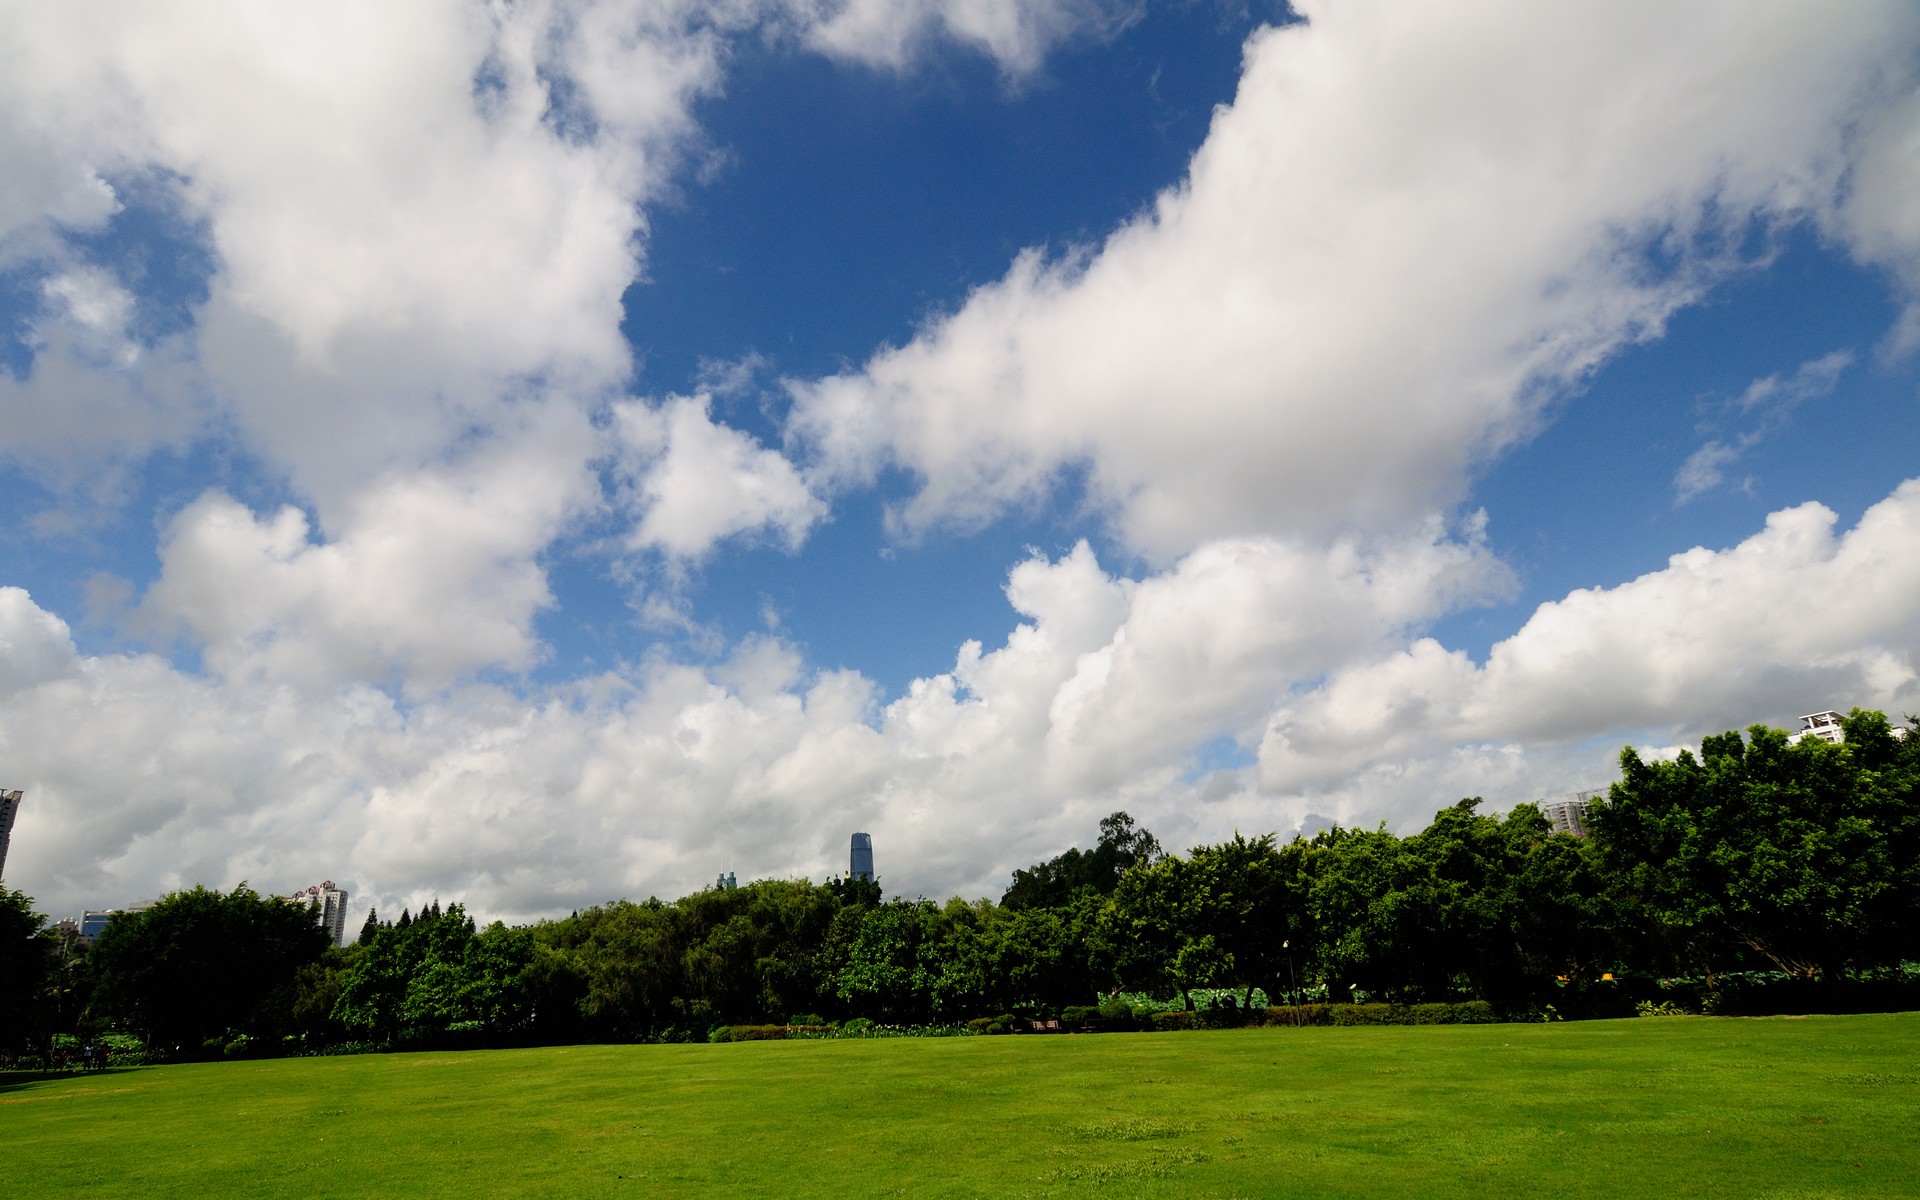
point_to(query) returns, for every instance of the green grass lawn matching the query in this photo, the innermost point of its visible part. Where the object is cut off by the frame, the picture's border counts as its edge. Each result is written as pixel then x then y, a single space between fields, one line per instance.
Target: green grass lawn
pixel 1810 1107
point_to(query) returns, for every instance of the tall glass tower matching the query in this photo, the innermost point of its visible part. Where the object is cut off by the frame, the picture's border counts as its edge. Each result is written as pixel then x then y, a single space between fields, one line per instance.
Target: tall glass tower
pixel 860 862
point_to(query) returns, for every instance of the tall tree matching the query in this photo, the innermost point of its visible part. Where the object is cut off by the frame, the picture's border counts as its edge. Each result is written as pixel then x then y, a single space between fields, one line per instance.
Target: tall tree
pixel 201 964
pixel 1797 854
pixel 26 964
pixel 1050 884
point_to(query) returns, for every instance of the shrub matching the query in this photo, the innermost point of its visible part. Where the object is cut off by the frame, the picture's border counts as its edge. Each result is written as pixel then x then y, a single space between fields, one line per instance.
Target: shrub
pixel 1176 1018
pixel 720 1033
pixel 1465 1012
pixel 857 1025
pixel 1075 1014
pixel 806 1019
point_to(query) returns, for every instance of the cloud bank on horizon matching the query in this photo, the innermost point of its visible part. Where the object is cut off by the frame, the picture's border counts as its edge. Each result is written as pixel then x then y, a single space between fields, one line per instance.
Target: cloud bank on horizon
pixel 322 388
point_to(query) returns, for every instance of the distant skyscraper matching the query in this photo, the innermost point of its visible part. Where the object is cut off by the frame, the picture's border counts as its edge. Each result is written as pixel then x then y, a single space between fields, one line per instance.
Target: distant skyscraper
pixel 1570 815
pixel 9 808
pixel 329 905
pixel 860 862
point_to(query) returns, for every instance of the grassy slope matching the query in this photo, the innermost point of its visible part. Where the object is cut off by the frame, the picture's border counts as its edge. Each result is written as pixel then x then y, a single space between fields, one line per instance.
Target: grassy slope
pixel 1815 1107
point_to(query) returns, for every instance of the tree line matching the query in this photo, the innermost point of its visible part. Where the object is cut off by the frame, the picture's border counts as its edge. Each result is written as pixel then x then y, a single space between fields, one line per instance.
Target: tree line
pixel 1758 857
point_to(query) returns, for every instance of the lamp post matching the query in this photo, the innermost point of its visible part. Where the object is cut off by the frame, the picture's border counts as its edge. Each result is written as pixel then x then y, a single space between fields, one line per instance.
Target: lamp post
pixel 1293 984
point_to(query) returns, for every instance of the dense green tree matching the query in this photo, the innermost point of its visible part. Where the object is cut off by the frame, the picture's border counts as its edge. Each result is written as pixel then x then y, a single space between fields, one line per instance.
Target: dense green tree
pixel 894 962
pixel 1794 854
pixel 201 964
pixel 26 966
pixel 850 891
pixel 1157 927
pixel 438 977
pixel 624 963
pixel 1053 883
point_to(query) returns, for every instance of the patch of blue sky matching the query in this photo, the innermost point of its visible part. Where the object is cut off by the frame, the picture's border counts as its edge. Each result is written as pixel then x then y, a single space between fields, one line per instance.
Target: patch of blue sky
pixel 88 557
pixel 20 305
pixel 1223 753
pixel 1591 500
pixel 157 250
pixel 850 204
pixel 851 598
pixel 150 245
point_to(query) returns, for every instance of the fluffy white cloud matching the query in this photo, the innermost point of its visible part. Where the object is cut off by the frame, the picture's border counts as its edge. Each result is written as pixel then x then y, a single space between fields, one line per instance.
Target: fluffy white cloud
pixel 141 777
pixel 691 482
pixel 418 227
pixel 1877 215
pixel 649 781
pixel 1017 34
pixel 35 646
pixel 1411 225
pixel 427 577
pixel 1792 620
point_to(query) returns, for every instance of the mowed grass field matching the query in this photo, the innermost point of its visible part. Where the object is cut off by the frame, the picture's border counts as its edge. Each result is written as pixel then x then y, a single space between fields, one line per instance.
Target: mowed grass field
pixel 1801 1108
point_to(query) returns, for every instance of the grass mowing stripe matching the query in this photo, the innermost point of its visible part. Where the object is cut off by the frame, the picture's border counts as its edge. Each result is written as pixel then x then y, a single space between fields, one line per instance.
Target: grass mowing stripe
pixel 1708 1107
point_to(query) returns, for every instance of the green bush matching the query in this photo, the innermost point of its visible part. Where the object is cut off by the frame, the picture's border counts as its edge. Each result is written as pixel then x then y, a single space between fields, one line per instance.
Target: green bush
pixel 857 1025
pixel 1074 1014
pixel 720 1033
pixel 1175 1018
pixel 809 1019
pixel 1465 1012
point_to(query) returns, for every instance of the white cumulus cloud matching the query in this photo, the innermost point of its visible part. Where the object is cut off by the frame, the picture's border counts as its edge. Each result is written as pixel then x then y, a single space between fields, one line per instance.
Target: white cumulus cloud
pixel 692 482
pixel 1413 224
pixel 1794 619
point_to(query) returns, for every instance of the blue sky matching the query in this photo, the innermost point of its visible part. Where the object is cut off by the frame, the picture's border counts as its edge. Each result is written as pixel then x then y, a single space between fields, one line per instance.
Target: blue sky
pixel 730 428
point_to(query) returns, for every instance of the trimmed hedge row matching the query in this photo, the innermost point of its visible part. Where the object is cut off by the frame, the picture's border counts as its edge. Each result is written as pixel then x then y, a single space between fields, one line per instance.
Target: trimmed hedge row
pixel 1467 1012
pixel 771 1033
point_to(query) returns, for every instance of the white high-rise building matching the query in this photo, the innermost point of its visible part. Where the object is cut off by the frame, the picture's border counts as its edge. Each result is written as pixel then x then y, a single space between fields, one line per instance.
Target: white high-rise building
pixel 1570 815
pixel 329 905
pixel 1823 725
pixel 9 808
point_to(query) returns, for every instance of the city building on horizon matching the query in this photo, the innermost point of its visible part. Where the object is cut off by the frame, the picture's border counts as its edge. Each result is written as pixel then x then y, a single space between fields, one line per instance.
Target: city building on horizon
pixel 1570 815
pixel 329 905
pixel 94 920
pixel 1822 725
pixel 860 861
pixel 9 808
